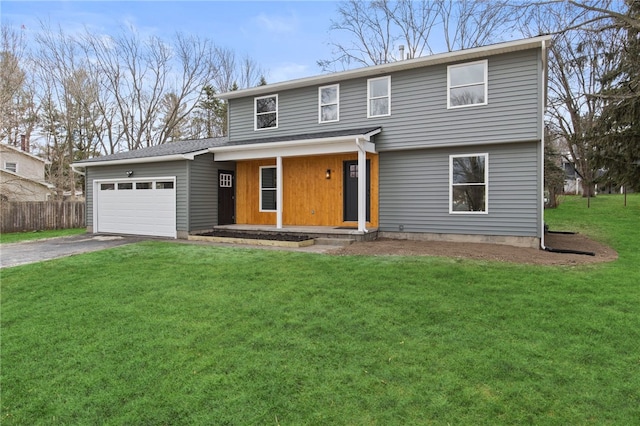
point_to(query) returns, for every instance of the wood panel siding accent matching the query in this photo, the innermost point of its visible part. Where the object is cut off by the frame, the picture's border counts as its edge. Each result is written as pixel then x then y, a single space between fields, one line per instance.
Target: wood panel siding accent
pixel 419 115
pixel 308 197
pixel 414 192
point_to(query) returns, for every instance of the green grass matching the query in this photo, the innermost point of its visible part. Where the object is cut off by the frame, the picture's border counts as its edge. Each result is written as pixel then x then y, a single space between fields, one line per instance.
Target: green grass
pixel 165 333
pixel 16 237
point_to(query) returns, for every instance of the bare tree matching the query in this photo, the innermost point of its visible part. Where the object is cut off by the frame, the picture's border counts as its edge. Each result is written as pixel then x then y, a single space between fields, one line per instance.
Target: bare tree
pixel 18 111
pixel 376 29
pixel 583 52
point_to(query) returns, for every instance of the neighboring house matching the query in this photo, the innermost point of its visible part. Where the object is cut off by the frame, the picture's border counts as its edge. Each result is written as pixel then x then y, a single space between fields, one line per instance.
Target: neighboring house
pixel 22 176
pixel 445 147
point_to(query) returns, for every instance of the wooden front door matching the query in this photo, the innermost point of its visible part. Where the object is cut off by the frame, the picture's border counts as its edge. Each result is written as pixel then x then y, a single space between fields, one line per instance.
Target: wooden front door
pixel 350 191
pixel 226 197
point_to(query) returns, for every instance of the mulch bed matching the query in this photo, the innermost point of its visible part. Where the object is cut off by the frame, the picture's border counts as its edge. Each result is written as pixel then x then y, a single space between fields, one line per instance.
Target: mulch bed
pixel 257 236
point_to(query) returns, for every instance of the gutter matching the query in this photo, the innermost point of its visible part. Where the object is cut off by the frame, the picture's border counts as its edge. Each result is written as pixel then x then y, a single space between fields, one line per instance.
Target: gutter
pixel 78 172
pixel 159 159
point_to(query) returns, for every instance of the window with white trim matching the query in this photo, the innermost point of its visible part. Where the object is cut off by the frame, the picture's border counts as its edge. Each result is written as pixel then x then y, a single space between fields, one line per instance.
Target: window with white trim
pixel 266 112
pixel 467 84
pixel 12 167
pixel 468 176
pixel 268 189
pixel 329 103
pixel 379 97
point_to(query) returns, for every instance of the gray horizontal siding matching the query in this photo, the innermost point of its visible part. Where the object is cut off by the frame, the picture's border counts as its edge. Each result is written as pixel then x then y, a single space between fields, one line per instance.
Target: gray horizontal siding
pixel 145 170
pixel 419 115
pixel 414 192
pixel 203 193
pixel 203 197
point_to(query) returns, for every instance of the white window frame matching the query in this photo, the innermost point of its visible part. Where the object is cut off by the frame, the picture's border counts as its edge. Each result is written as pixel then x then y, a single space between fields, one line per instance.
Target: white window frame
pixel 15 166
pixel 369 98
pixel 485 184
pixel 337 103
pixel 485 82
pixel 268 189
pixel 255 112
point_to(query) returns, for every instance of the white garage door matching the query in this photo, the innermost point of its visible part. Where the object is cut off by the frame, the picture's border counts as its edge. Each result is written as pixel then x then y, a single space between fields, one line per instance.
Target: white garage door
pixel 140 207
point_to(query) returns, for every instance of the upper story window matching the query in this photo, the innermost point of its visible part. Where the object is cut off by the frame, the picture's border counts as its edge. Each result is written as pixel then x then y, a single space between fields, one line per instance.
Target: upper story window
pixel 266 112
pixel 467 84
pixel 329 103
pixel 468 183
pixel 379 96
pixel 12 167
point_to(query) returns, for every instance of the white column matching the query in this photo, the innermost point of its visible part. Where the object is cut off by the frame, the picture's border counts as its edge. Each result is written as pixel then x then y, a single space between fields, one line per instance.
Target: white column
pixel 279 192
pixel 362 187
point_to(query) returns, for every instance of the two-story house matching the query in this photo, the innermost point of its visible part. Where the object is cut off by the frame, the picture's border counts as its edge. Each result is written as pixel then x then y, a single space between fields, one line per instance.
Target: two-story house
pixel 444 147
pixel 22 176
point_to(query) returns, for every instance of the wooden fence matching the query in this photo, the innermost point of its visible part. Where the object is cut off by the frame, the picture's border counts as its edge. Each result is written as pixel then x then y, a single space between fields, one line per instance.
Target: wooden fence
pixel 18 216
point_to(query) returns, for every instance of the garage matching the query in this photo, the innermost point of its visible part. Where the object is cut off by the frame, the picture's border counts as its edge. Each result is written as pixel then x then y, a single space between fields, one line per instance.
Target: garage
pixel 136 206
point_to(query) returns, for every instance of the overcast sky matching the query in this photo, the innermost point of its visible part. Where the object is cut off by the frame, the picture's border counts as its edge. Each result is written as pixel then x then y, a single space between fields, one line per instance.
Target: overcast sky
pixel 285 38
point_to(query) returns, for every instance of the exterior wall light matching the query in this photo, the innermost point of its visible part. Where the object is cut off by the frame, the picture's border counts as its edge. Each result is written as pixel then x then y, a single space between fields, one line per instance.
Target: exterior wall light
pixel 129 173
pixel 328 174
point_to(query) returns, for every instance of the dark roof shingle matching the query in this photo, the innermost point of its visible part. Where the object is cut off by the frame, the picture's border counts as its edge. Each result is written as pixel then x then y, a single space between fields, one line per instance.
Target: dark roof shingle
pixel 170 148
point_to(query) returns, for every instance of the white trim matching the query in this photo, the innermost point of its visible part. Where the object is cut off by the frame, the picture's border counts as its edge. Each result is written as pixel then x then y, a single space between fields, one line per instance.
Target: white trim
pixel 97 190
pixel 320 146
pixel 388 97
pixel 158 159
pixel 337 103
pixel 279 192
pixel 485 184
pixel 255 112
pixel 485 62
pixel 268 189
pixel 362 187
pixel 441 58
pixel 543 105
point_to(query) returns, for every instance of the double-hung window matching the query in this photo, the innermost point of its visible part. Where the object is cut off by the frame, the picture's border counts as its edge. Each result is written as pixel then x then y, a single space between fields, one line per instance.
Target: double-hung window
pixel 379 97
pixel 266 112
pixel 467 84
pixel 268 189
pixel 329 103
pixel 468 183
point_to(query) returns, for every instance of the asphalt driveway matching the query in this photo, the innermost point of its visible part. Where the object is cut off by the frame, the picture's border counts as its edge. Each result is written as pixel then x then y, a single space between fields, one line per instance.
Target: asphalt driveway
pixel 38 250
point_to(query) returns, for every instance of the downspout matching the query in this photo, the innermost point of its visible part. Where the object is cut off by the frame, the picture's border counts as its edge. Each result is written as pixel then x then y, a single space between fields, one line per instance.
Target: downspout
pixel 543 88
pixel 362 187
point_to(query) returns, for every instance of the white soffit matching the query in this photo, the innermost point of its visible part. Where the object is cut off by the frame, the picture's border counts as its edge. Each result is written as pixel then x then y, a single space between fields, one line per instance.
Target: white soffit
pixel 304 147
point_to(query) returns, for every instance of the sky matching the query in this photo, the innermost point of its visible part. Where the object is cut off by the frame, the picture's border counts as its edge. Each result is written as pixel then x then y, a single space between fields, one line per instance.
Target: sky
pixel 285 38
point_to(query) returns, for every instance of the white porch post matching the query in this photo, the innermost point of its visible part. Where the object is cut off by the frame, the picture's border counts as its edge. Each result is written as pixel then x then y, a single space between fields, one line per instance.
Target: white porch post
pixel 362 187
pixel 279 192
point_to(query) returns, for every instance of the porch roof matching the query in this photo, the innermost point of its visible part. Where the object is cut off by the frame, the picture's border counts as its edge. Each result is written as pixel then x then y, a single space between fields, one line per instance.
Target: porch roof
pixel 334 142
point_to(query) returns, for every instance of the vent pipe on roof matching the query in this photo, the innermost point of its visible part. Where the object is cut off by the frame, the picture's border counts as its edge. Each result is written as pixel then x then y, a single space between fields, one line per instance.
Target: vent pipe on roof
pixel 401 49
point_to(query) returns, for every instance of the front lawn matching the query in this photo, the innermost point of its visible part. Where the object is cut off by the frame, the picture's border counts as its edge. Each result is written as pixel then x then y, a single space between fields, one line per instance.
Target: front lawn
pixel 18 237
pixel 166 333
